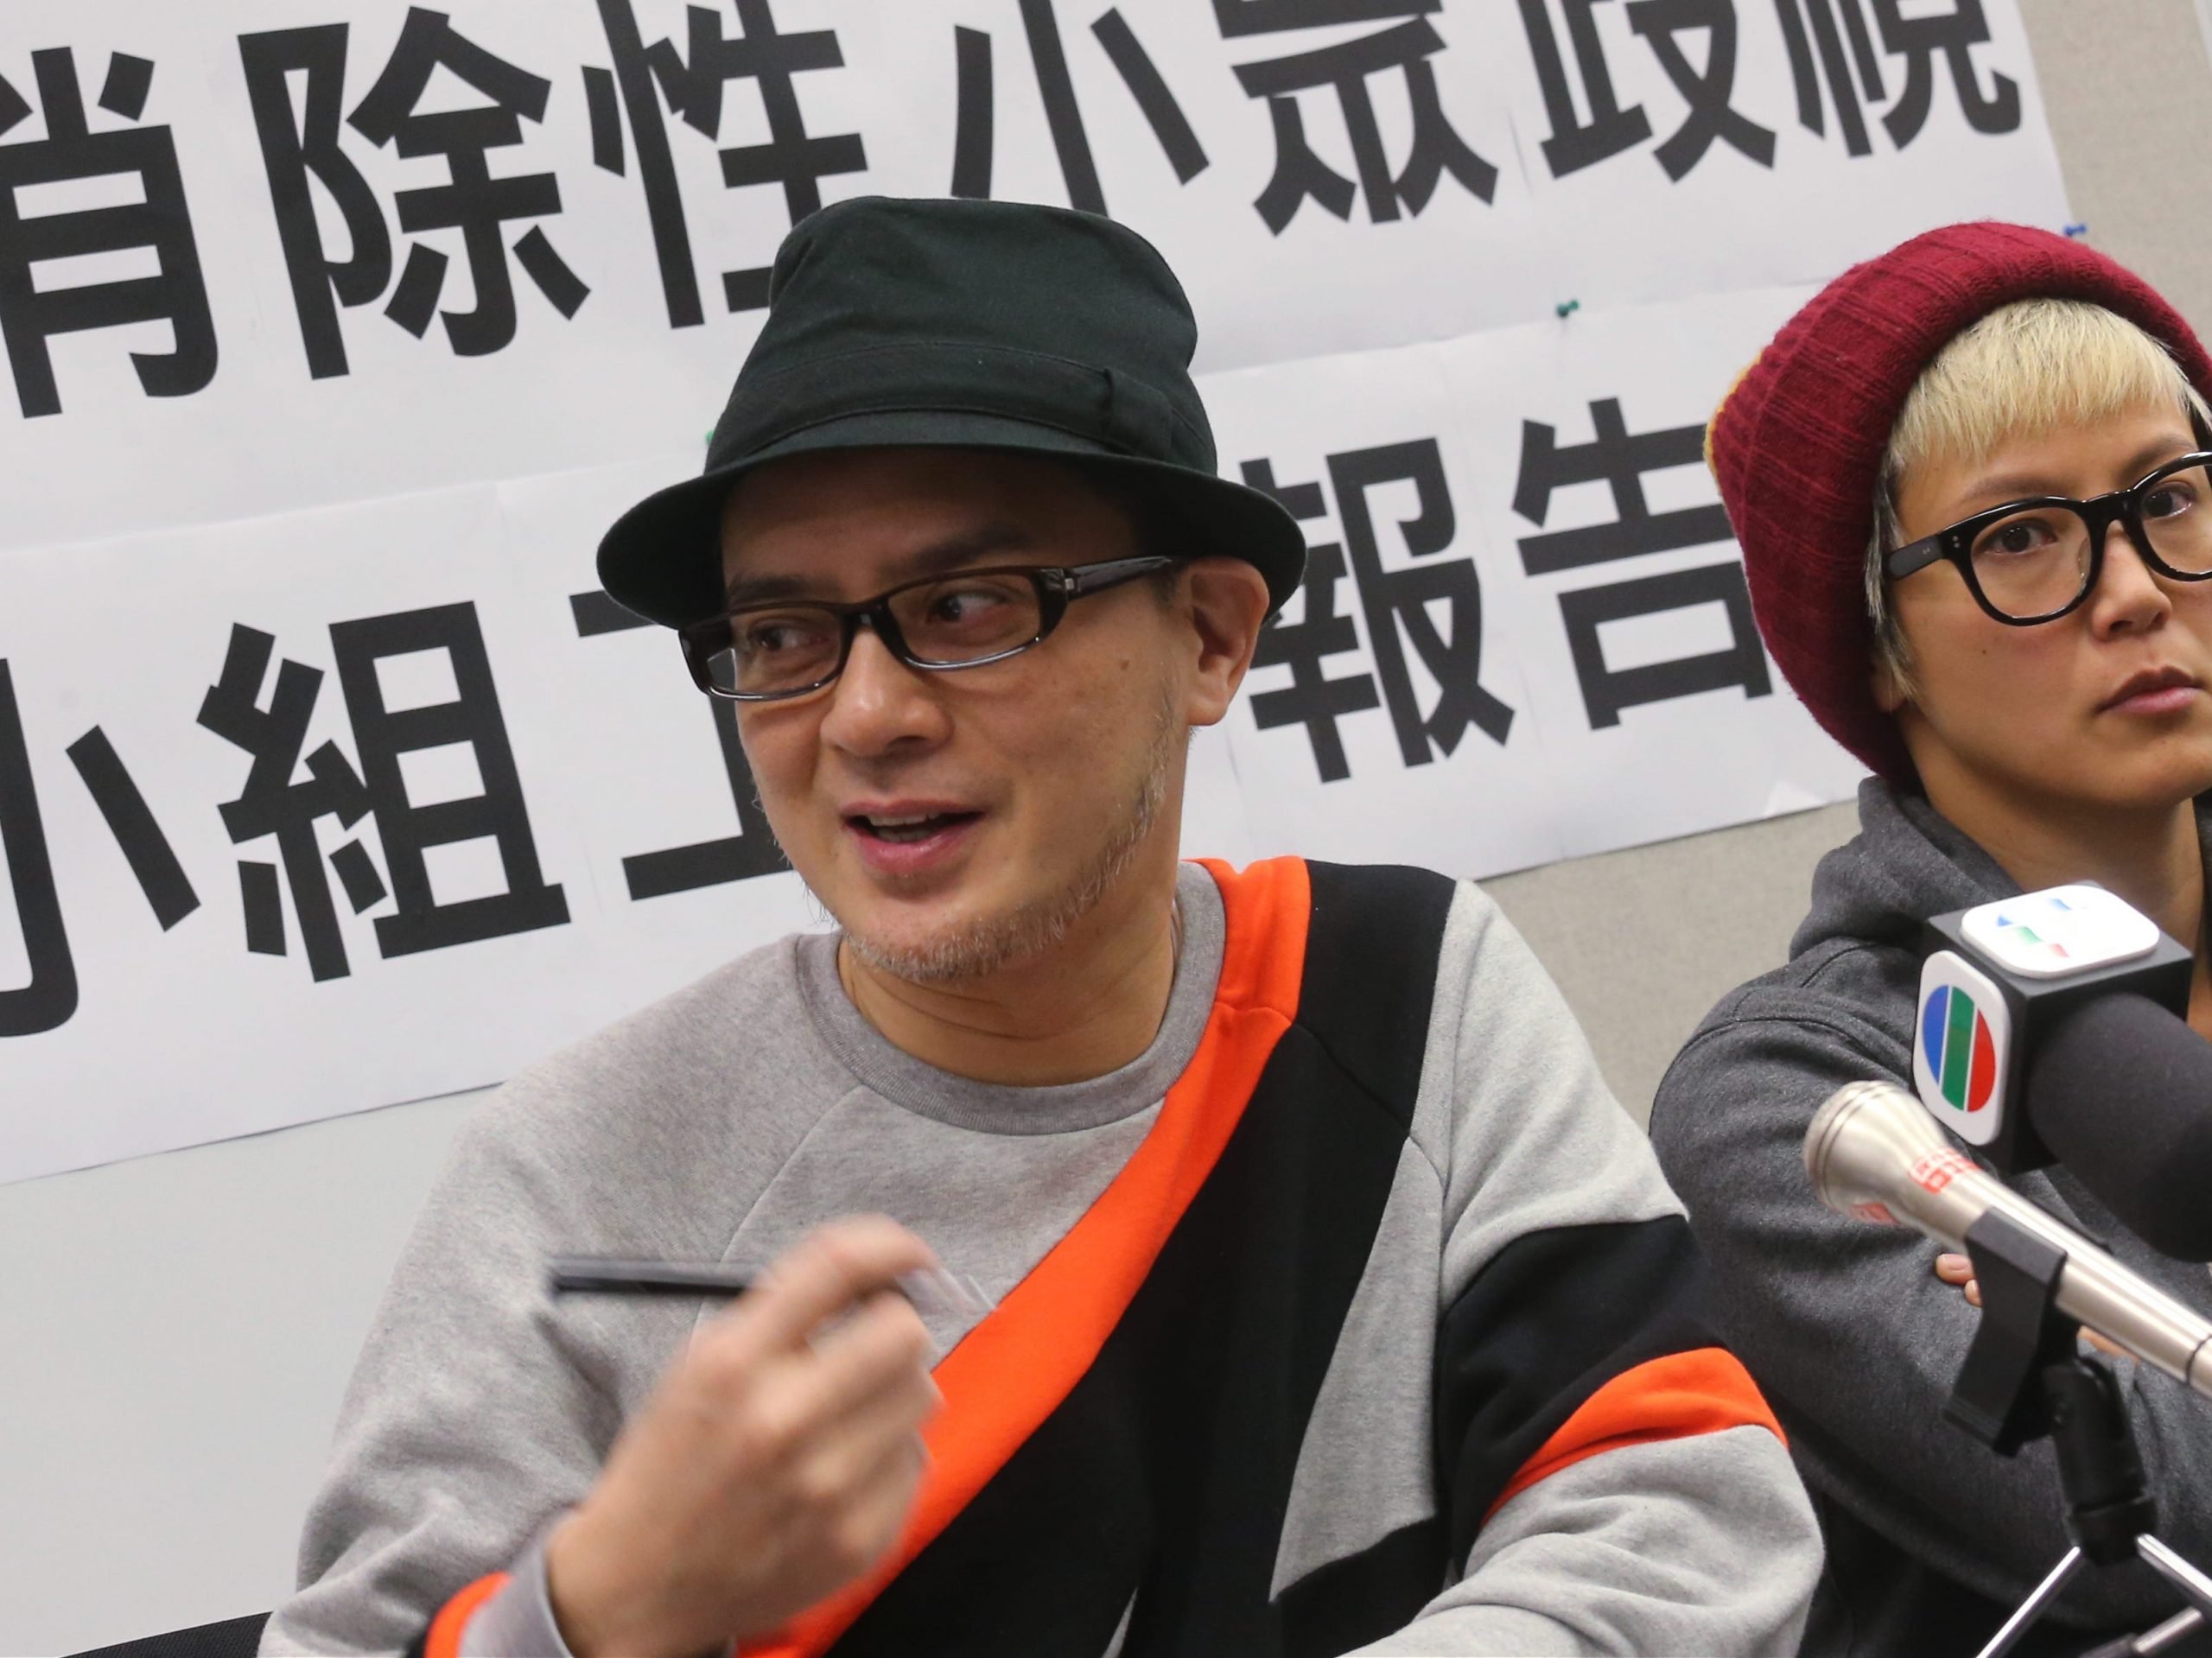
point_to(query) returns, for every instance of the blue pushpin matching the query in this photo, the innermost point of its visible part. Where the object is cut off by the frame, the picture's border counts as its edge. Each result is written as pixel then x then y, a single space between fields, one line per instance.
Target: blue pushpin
pixel 2077 229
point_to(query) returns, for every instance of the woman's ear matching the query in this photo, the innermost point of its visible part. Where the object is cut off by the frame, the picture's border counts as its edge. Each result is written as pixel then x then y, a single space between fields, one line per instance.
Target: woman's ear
pixel 1891 692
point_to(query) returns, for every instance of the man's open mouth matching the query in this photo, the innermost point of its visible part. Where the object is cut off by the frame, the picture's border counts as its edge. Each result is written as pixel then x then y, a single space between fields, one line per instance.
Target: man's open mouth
pixel 918 826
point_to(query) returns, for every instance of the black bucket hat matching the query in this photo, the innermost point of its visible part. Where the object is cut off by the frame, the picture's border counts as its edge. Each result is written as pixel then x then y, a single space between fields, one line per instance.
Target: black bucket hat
pixel 982 325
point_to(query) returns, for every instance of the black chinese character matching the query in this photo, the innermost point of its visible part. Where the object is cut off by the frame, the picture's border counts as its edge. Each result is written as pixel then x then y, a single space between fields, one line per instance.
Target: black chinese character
pixel 1661 23
pixel 158 221
pixel 1817 37
pixel 473 201
pixel 1395 606
pixel 471 718
pixel 1576 144
pixel 1312 699
pixel 1619 458
pixel 1606 690
pixel 145 849
pixel 751 851
pixel 974 125
pixel 50 997
pixel 1345 69
pixel 692 82
pixel 1401 599
pixel 272 803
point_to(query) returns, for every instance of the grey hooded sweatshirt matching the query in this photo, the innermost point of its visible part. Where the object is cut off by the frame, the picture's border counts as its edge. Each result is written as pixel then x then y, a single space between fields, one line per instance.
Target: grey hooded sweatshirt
pixel 1931 1538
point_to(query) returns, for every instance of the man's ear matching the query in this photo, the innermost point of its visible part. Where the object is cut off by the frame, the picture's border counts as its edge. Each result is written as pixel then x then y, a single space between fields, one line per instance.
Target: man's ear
pixel 1224 602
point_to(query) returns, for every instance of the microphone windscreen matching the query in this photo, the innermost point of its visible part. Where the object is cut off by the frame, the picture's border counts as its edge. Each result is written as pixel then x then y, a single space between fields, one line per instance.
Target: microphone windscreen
pixel 2121 1092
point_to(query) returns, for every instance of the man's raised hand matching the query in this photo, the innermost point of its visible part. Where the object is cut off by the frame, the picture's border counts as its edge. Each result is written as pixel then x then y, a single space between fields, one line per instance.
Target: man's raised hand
pixel 775 1463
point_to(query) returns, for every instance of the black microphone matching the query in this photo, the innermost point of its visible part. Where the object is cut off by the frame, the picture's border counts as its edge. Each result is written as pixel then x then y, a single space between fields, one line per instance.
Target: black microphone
pixel 2051 1029
pixel 2120 1092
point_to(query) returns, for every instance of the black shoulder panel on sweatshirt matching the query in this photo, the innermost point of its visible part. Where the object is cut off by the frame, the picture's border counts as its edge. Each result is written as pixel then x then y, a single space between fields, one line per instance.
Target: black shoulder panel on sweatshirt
pixel 1157 1489
pixel 1349 1603
pixel 1370 971
pixel 1555 1316
pixel 234 1638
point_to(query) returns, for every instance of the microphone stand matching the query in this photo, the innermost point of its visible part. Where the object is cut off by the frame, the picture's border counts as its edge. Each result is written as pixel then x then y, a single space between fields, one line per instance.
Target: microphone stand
pixel 2026 1378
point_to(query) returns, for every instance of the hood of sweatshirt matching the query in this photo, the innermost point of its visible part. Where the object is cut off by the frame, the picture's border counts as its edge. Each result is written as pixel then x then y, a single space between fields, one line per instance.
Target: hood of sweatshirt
pixel 1907 862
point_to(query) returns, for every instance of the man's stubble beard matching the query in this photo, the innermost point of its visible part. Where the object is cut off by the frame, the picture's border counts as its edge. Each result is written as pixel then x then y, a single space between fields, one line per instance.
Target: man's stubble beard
pixel 973 949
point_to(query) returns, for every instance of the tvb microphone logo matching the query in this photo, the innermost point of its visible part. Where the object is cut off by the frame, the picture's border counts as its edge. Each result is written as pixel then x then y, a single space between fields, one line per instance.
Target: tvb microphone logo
pixel 1955 1042
pixel 1965 1040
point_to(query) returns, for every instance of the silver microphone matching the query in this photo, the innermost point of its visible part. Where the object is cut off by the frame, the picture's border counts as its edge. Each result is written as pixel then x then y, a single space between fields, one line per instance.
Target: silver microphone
pixel 1874 1154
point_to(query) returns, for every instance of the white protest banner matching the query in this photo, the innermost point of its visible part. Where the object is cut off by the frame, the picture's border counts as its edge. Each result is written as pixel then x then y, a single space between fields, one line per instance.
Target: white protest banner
pixel 336 331
pixel 372 291
pixel 1524 633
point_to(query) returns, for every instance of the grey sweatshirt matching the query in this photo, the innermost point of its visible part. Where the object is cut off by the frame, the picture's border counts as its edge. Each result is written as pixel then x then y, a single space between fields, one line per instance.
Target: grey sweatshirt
pixel 1410 1372
pixel 1931 1538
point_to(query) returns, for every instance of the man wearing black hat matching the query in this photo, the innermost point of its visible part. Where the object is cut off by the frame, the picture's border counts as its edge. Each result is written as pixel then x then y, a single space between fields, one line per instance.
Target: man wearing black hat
pixel 1322 1299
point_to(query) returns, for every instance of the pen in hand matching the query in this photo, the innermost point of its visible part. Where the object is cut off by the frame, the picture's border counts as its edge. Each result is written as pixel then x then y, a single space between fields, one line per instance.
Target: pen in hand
pixel 934 1292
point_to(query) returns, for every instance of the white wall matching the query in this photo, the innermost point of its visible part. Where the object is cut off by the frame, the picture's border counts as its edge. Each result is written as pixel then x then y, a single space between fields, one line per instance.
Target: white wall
pixel 174 1332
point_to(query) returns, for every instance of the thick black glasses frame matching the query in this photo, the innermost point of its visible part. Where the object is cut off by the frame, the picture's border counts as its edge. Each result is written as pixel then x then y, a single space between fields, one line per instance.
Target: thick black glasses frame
pixel 2122 507
pixel 1057 587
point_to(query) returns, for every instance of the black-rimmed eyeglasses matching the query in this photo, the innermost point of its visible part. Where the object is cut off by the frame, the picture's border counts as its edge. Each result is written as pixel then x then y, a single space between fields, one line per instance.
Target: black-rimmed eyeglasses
pixel 2037 559
pixel 764 652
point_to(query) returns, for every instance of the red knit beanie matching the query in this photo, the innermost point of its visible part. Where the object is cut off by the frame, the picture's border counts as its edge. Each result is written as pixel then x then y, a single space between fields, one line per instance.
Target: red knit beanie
pixel 1797 445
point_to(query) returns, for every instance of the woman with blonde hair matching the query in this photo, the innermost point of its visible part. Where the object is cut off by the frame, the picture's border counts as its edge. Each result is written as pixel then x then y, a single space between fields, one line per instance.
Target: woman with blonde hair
pixel 1972 482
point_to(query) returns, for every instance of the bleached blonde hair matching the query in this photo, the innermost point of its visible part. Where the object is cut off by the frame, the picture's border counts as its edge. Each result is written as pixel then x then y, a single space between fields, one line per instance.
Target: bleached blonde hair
pixel 2027 369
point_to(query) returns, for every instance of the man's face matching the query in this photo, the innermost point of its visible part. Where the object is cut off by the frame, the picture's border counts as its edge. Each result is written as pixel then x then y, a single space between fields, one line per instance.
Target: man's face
pixel 2107 707
pixel 954 822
